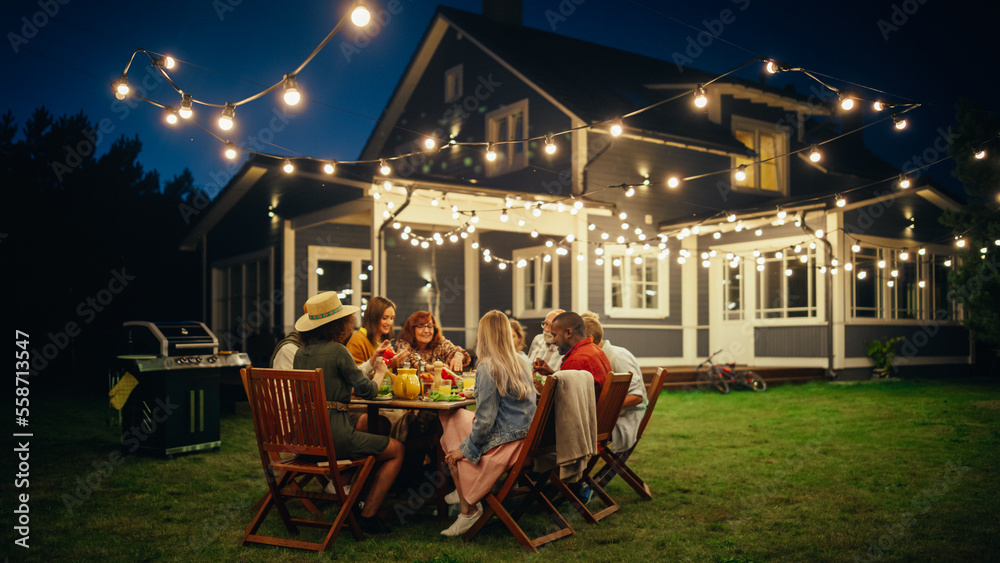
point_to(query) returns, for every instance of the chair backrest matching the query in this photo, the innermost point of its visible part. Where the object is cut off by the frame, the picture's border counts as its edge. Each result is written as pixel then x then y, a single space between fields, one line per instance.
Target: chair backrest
pixel 609 405
pixel 289 411
pixel 541 434
pixel 653 394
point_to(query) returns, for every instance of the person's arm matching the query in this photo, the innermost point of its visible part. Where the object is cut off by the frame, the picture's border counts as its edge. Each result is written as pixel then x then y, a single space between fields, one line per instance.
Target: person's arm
pixel 487 407
pixel 363 387
pixel 285 357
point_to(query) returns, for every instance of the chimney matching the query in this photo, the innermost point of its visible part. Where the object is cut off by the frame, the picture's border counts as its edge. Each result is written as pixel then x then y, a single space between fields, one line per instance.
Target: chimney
pixel 507 12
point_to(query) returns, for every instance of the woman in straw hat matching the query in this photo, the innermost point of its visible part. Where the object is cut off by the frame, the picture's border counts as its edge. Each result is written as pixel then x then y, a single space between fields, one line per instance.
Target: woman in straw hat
pixel 325 328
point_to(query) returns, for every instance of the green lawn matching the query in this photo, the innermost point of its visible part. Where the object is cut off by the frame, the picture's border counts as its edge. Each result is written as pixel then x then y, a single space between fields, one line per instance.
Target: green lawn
pixel 888 471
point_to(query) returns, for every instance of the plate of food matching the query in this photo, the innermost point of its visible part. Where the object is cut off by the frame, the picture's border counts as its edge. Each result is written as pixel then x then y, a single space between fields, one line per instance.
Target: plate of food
pixel 383 397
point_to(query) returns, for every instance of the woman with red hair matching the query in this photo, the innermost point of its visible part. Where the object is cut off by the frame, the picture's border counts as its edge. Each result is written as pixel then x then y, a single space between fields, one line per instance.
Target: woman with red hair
pixel 421 336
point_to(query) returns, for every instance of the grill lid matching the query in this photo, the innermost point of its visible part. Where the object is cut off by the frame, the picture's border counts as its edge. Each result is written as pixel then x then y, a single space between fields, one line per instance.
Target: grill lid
pixel 169 338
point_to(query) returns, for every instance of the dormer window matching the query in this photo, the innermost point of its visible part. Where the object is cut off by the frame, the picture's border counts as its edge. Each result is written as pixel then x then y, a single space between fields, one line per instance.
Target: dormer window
pixel 768 173
pixel 504 125
pixel 453 84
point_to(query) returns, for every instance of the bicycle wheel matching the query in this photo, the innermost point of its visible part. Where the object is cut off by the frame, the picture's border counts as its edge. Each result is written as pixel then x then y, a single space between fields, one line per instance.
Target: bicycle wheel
pixel 754 381
pixel 719 383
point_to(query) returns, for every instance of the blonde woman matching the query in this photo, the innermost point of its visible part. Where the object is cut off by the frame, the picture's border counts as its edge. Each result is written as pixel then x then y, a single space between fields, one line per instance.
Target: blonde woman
pixel 505 405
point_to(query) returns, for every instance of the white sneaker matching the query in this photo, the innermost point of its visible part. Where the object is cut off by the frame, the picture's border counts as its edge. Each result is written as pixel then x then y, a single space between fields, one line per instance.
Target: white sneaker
pixel 464 522
pixel 333 490
pixel 452 497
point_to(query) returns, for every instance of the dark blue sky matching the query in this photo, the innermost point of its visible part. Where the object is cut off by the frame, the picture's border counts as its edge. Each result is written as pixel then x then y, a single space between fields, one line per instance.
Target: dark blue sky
pixel 933 52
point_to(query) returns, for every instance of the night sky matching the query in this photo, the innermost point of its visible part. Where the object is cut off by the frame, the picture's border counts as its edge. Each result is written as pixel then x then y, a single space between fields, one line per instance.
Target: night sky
pixel 930 51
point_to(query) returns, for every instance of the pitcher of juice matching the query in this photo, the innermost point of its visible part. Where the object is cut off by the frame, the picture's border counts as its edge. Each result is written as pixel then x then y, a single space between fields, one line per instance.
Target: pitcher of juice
pixel 468 380
pixel 406 384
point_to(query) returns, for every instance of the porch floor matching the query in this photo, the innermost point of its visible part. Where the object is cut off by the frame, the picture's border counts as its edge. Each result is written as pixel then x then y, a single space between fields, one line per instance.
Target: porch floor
pixel 679 377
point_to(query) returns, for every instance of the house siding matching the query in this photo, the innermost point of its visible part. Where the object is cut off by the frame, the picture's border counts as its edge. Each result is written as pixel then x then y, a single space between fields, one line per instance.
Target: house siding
pixel 329 234
pixel 791 341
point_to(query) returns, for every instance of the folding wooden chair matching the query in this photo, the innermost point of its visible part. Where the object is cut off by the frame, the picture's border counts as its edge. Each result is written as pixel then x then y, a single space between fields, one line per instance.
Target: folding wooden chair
pixel 619 467
pixel 609 406
pixel 295 482
pixel 540 440
pixel 290 416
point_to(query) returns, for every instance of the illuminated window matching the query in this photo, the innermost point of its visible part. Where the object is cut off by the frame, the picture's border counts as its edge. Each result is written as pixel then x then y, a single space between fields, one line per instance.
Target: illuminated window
pixel 536 285
pixel 635 285
pixel 732 292
pixel 506 124
pixel 765 173
pixel 787 287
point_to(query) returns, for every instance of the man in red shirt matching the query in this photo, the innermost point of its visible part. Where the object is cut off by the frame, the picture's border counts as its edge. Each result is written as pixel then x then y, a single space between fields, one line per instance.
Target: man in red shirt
pixel 579 350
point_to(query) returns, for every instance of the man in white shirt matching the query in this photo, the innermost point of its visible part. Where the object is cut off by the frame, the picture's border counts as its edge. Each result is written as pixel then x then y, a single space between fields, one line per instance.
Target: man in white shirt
pixel 623 436
pixel 543 353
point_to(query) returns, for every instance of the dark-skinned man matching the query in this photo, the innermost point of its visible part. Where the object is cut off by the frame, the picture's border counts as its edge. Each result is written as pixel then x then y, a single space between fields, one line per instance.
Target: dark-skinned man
pixel 579 350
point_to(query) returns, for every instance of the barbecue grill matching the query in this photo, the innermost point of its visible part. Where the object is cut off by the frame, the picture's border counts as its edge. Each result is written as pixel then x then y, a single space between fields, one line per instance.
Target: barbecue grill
pixel 175 406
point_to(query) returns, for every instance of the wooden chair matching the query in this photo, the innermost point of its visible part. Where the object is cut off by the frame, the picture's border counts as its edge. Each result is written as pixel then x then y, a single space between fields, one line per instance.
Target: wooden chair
pixel 619 466
pixel 295 482
pixel 540 440
pixel 290 416
pixel 609 407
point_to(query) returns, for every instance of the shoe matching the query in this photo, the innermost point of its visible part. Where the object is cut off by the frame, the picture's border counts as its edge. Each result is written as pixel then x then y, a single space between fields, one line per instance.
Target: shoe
pixel 452 497
pixel 464 522
pixel 371 524
pixel 584 493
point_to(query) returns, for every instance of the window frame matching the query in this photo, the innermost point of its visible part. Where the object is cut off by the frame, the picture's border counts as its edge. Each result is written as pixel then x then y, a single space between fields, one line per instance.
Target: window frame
pixel 508 160
pixel 537 254
pixel 263 295
pixel 887 297
pixel 340 254
pixel 457 72
pixel 662 310
pixel 781 164
pixel 812 308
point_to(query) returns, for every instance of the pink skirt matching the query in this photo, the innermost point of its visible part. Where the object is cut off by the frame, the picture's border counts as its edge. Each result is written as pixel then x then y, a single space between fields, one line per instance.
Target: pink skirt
pixel 477 479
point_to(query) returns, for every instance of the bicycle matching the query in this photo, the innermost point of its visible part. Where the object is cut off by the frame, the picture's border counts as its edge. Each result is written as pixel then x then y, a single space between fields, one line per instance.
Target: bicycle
pixel 720 377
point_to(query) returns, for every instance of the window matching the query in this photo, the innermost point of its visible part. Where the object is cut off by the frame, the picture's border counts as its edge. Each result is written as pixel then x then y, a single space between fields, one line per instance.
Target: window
pixel 764 173
pixel 453 84
pixel 635 284
pixel 242 303
pixel 732 291
pixel 885 286
pixel 344 270
pixel 536 281
pixel 506 124
pixel 786 285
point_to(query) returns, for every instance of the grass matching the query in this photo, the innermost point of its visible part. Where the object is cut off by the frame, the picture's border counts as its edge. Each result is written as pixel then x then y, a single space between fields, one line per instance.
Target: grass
pixel 887 471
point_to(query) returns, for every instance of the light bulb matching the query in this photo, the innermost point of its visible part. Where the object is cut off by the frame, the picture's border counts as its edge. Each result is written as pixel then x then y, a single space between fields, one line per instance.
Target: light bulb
pixel 629 191
pixel 700 99
pixel 383 167
pixel 122 85
pixel 361 16
pixel 788 272
pixel 491 153
pixel 429 143
pixel 165 61
pixel 673 182
pixel 230 151
pixel 841 202
pixel 904 182
pixel 900 122
pixel 292 96
pixel 814 154
pixel 226 120
pixel 879 105
pixel 185 111
pixel 537 211
pixel 881 264
pixel 716 235
pixel 782 213
pixel 774 67
pixel 960 243
pixel 741 173
pixel 330 167
pixel 731 218
pixel 474 218
pixel 616 127
pixel 288 167
pixel 846 102
pixel 503 216
pixel 923 251
pixel 904 256
pixel 856 248
pixel 550 145
pixel 170 115
pixel 980 154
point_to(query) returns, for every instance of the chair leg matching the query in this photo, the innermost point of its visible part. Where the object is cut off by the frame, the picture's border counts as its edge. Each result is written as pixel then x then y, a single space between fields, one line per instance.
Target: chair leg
pixel 615 465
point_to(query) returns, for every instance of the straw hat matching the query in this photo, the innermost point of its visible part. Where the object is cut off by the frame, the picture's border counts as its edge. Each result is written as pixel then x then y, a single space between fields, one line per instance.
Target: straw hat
pixel 321 309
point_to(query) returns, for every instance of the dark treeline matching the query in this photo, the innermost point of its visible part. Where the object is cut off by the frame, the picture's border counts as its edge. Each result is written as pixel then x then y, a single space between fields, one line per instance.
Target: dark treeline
pixel 87 242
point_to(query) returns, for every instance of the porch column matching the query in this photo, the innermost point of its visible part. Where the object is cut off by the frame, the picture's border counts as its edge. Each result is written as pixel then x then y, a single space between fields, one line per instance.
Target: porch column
pixel 580 268
pixel 689 303
pixel 471 259
pixel 288 316
pixel 838 285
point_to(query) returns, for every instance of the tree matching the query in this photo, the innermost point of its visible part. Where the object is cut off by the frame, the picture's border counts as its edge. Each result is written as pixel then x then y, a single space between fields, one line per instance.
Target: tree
pixel 89 241
pixel 975 280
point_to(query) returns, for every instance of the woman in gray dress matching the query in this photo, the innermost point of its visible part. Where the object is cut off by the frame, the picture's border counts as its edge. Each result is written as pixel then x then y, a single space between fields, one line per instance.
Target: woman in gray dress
pixel 325 328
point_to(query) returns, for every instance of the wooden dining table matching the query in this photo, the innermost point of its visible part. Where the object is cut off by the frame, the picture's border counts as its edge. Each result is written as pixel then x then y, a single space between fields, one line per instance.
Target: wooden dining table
pixel 380 425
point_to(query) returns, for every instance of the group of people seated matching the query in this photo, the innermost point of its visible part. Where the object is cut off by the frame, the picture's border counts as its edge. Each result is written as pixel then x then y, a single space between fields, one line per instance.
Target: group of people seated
pixel 352 362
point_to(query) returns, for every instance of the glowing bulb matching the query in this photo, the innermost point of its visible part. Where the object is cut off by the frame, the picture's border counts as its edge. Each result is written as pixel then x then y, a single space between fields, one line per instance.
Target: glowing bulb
pixel 230 151
pixel 814 154
pixel 171 115
pixel 846 102
pixel 856 248
pixel 759 232
pixel 881 264
pixel 383 167
pixel 923 251
pixel 537 211
pixel 226 120
pixel 904 182
pixel 502 265
pixel 960 243
pixel 848 267
pixel 879 105
pixel 491 153
pixel 921 284
pixel 841 202
pixel 904 256
pixel 947 263
pixel 862 275
pixel 122 86
pixel 629 191
pixel 534 234
pixel 550 145
pixel 980 154
pixel 700 99
pixel 291 96
pixel 288 167
pixel 503 216
pixel 474 218
pixel 716 235
pixel 361 16
pixel 819 233
pixel 185 111
pixel 741 173
pixel 429 143
pixel 616 127
pixel 774 67
pixel 782 213
pixel 673 182
pixel 899 122
pixel 788 272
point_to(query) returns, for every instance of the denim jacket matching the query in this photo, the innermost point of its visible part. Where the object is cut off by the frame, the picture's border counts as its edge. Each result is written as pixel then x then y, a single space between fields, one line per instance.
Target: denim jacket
pixel 498 419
